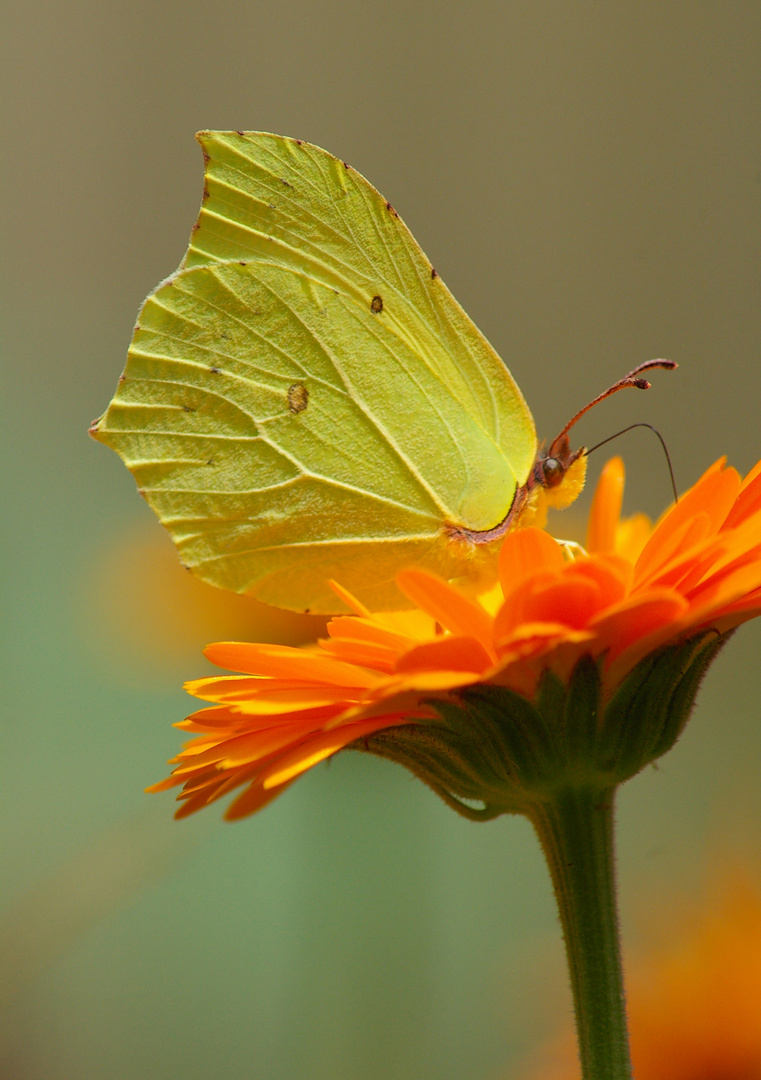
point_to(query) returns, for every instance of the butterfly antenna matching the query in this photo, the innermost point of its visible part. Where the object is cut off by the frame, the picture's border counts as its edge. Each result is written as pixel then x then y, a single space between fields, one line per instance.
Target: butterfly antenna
pixel 663 444
pixel 632 379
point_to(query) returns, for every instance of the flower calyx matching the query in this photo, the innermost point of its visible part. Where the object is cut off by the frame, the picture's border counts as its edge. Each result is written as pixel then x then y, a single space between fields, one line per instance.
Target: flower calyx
pixel 495 752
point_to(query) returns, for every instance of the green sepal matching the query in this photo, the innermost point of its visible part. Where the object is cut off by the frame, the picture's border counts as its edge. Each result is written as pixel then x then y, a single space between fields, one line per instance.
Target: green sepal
pixel 649 711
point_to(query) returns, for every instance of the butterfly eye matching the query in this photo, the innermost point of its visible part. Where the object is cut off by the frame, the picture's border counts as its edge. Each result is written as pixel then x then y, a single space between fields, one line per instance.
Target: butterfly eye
pixel 552 471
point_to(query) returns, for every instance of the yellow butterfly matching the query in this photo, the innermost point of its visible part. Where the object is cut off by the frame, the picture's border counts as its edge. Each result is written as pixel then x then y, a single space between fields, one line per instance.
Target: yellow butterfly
pixel 304 399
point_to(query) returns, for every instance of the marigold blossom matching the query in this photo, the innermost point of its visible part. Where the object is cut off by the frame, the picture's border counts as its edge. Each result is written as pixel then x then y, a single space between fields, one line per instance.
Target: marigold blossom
pixel 637 588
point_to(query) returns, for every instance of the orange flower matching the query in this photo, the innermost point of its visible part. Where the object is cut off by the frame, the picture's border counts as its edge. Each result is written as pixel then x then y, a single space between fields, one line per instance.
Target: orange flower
pixel 637 592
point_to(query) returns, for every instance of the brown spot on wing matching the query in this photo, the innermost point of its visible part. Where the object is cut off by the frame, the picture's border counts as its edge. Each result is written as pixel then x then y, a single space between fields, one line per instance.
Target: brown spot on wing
pixel 376 305
pixel 298 398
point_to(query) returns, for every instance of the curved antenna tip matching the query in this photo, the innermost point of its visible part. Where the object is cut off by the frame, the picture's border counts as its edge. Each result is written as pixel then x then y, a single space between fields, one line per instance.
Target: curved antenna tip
pixel 631 379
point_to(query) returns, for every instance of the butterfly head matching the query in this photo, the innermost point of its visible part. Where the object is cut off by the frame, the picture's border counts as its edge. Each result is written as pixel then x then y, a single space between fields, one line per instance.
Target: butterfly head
pixel 556 480
pixel 558 475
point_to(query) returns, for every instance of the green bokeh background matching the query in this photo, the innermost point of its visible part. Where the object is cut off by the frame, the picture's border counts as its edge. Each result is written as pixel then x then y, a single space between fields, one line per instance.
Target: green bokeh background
pixel 586 177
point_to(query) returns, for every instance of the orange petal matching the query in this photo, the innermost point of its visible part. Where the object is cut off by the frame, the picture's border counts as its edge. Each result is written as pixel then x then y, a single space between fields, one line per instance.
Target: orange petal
pixel 512 614
pixel 256 745
pixel 163 785
pixel 714 495
pixel 296 699
pixel 524 552
pixel 665 545
pixel 748 502
pixel 531 639
pixel 198 802
pixel 616 628
pixel 752 475
pixel 456 612
pixel 690 562
pixel 212 791
pixel 365 642
pixel 191 755
pixel 717 565
pixel 217 720
pixel 363 653
pixel 252 799
pixel 739 612
pixel 351 601
pixel 611 574
pixel 606 507
pixel 571 599
pixel 209 687
pixel 230 688
pixel 285 661
pixel 632 535
pixel 447 654
pixel 528 654
pixel 714 594
pixel 322 746
pixel 413 624
pixel 415 683
pixel 251 721
pixel 397 697
pixel 214 781
pixel 365 630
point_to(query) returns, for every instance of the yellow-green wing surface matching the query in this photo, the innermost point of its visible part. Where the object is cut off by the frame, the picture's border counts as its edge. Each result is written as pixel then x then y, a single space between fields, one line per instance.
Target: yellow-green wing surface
pixel 304 398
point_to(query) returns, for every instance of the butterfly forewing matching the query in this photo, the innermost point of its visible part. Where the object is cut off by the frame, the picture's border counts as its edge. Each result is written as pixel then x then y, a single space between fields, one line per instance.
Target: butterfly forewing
pixel 304 399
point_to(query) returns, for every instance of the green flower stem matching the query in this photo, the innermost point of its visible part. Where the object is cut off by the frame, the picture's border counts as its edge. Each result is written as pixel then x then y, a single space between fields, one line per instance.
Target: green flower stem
pixel 575 829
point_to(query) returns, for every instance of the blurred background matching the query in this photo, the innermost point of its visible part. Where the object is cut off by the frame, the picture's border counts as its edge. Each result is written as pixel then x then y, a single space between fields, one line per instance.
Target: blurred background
pixel 586 177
